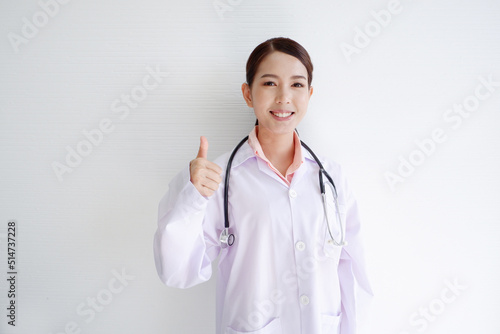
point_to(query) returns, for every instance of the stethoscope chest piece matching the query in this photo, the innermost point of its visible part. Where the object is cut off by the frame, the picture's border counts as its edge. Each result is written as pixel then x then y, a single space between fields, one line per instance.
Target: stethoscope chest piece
pixel 226 238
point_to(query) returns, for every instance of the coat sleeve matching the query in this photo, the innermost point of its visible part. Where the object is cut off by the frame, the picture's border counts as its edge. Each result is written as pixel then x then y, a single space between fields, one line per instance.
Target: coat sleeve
pixel 186 241
pixel 356 293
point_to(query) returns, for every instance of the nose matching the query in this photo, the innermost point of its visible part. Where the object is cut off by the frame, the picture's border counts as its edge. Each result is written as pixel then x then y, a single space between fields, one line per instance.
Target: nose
pixel 283 95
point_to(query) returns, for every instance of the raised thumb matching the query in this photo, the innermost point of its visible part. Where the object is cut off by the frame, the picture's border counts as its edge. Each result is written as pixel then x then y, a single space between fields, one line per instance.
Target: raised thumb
pixel 202 152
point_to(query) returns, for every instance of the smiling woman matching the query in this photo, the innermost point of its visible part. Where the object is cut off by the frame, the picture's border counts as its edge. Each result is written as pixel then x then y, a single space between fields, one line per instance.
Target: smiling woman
pixel 288 269
pixel 279 97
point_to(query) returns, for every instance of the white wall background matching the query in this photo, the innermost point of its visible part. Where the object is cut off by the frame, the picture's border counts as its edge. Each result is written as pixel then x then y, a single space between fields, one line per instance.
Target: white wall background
pixel 69 74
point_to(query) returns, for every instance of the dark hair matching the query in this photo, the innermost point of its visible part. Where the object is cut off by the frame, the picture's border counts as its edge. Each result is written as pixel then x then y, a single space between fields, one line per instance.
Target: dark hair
pixel 281 44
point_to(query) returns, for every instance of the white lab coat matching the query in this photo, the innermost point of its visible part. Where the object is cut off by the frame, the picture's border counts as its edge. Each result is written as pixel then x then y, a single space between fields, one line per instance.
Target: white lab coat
pixel 281 275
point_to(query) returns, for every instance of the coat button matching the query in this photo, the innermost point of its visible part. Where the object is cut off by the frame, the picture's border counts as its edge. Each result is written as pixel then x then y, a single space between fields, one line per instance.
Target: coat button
pixel 292 193
pixel 304 300
pixel 300 245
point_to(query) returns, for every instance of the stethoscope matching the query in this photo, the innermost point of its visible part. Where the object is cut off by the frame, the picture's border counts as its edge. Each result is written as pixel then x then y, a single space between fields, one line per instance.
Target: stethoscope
pixel 227 239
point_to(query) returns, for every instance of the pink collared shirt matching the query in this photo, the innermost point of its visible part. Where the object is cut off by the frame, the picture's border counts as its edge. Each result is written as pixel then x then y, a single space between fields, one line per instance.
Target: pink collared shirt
pixel 298 160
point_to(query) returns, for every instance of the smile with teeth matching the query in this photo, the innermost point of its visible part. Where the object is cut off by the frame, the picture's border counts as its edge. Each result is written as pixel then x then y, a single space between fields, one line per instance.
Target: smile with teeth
pixel 281 114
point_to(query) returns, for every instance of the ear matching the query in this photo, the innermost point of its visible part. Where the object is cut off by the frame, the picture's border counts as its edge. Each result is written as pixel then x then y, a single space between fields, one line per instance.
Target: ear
pixel 247 94
pixel 310 91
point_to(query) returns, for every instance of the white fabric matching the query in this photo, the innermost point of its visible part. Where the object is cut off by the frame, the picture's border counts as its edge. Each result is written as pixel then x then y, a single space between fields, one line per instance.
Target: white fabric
pixel 281 275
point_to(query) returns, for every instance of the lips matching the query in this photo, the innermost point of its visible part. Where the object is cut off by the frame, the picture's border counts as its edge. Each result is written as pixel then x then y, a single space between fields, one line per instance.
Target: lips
pixel 282 113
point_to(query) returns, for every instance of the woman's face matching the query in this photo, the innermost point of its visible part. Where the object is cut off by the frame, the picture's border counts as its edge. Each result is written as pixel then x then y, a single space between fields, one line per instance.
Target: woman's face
pixel 279 93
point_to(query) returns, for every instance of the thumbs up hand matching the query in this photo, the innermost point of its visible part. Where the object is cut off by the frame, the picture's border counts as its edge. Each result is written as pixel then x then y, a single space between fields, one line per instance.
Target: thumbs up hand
pixel 205 175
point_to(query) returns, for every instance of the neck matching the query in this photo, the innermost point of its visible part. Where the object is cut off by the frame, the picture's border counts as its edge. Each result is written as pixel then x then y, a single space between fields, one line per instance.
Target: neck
pixel 278 148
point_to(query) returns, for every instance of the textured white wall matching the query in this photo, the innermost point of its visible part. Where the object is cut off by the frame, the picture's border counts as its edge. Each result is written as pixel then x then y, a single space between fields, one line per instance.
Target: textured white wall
pixel 84 234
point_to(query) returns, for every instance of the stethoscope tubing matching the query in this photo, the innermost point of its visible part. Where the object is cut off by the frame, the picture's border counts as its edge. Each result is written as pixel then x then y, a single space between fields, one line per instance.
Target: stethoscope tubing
pixel 227 239
pixel 226 181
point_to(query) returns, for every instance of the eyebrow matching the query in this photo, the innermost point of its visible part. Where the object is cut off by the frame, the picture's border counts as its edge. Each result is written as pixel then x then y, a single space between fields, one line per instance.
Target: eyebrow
pixel 275 76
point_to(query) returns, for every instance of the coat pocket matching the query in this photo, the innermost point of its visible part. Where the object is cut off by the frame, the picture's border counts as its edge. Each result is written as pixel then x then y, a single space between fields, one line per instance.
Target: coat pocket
pixel 330 324
pixel 273 327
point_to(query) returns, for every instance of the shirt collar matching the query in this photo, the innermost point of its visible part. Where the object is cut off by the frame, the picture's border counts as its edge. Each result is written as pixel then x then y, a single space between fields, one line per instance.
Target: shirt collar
pixel 298 158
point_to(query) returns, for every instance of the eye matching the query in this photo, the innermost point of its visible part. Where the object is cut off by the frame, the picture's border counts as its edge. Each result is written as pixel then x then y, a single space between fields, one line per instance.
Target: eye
pixel 269 83
pixel 298 85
